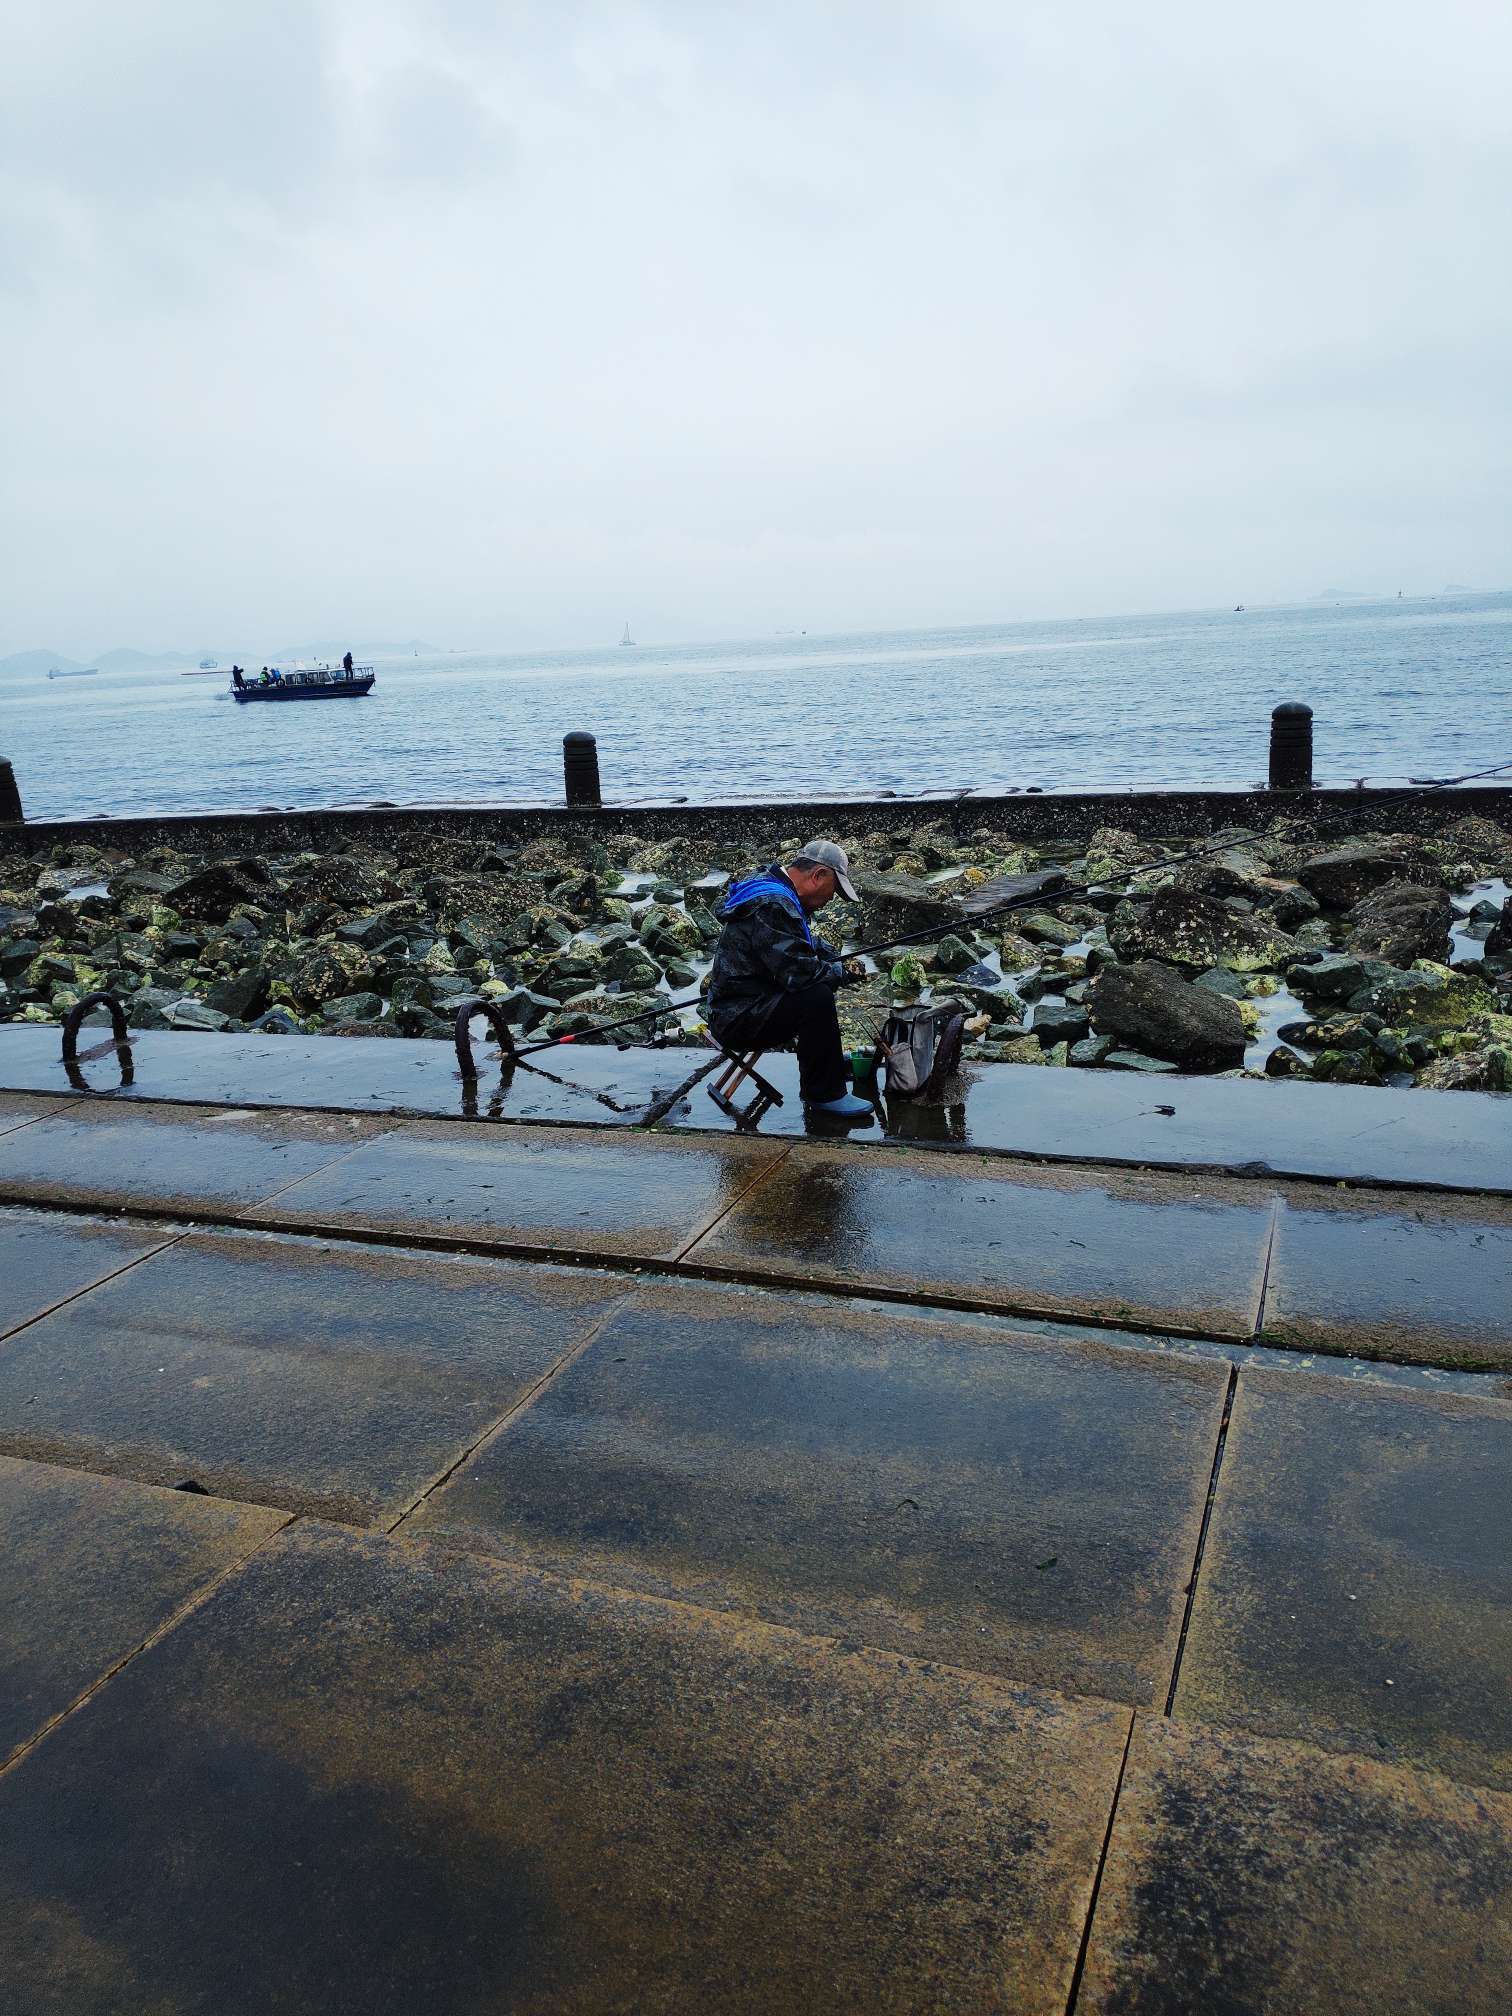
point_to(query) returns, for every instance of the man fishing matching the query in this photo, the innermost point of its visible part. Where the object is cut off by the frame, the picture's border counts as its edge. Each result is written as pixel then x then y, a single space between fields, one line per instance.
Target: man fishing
pixel 773 982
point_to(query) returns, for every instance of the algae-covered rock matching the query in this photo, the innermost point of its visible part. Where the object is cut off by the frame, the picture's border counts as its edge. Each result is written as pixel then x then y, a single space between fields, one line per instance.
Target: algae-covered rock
pixel 326 972
pixel 1428 996
pixel 1483 1070
pixel 1195 933
pixel 908 977
pixel 1016 954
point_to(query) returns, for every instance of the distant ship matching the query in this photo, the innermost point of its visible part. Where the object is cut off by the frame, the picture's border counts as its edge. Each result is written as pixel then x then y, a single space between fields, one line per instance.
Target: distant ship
pixel 627 638
pixel 83 672
pixel 1238 608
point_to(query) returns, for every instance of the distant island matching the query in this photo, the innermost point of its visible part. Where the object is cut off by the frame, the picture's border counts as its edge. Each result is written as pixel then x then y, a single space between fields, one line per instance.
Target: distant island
pixel 126 658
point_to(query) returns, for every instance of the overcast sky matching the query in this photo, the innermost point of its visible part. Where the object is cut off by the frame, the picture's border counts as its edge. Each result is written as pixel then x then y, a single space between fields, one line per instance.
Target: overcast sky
pixel 489 323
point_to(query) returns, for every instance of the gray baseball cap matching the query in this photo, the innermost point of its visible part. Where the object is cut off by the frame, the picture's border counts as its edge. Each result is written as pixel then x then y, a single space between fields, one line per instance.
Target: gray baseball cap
pixel 825 854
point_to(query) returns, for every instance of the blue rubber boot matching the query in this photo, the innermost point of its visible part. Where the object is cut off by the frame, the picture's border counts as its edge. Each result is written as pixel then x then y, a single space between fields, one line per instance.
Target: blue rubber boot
pixel 846 1107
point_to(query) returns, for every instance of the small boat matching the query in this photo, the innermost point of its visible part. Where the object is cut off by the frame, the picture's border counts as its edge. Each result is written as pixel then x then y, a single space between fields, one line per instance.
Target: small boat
pixel 627 638
pixel 1238 608
pixel 82 672
pixel 322 682
pixel 208 665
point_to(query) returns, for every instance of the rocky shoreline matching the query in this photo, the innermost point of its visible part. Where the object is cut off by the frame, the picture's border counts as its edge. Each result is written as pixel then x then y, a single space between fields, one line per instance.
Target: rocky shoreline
pixel 1377 958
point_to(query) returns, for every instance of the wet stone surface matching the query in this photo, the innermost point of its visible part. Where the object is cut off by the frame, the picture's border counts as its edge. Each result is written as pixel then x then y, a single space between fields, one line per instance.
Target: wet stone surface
pixel 1427 1283
pixel 1132 1250
pixel 45 1258
pixel 555 1191
pixel 17 1110
pixel 172 1158
pixel 89 1567
pixel 1263 1879
pixel 340 1382
pixel 993 1500
pixel 1356 1588
pixel 452 1785
pixel 1373 1134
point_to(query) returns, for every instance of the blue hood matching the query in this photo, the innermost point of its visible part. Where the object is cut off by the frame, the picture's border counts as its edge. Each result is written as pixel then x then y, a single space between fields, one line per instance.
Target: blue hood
pixel 768 887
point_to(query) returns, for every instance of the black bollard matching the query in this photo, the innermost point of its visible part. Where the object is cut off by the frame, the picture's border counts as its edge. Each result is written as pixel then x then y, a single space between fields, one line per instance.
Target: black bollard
pixel 1291 766
pixel 580 769
pixel 10 797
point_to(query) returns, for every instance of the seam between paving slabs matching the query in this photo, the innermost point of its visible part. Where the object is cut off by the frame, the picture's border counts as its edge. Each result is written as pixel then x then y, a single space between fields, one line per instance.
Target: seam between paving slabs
pixel 137 1259
pixel 1265 1271
pixel 15 1126
pixel 511 1414
pixel 186 1609
pixel 762 1173
pixel 1202 1534
pixel 1074 1993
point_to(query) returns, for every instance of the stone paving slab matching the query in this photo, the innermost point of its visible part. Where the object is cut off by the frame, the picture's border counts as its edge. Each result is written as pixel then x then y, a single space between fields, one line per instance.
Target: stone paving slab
pixel 1022 1507
pixel 1356 1588
pixel 1429 1282
pixel 16 1110
pixel 366 1777
pixel 89 1568
pixel 44 1258
pixel 1266 1879
pixel 558 1192
pixel 170 1158
pixel 1132 1250
pixel 340 1382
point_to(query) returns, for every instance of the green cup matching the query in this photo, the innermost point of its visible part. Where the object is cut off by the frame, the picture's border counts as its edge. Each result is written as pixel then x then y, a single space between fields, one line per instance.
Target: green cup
pixel 862 1063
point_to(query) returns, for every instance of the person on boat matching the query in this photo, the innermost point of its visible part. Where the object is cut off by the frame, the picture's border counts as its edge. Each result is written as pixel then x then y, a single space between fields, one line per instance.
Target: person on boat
pixel 773 982
pixel 346 664
pixel 236 678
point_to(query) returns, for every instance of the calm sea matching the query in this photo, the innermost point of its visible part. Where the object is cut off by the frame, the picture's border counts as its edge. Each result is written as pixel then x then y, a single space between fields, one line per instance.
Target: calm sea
pixel 1411 688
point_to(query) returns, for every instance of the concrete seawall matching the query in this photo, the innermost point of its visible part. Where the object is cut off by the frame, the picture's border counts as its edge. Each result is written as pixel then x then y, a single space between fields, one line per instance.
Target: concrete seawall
pixel 1047 816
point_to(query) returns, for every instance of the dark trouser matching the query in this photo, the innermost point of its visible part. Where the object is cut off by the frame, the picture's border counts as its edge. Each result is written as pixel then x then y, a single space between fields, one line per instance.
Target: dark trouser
pixel 806 1019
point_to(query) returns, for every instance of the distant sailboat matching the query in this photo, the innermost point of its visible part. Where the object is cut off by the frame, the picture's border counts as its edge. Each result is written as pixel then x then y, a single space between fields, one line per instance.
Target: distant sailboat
pixel 627 638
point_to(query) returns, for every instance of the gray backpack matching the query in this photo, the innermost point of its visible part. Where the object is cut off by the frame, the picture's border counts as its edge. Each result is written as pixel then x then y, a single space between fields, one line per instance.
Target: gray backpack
pixel 920 1048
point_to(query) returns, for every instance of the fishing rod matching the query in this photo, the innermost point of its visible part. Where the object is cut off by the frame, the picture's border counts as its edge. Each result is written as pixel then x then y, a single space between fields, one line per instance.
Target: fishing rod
pixel 1049 901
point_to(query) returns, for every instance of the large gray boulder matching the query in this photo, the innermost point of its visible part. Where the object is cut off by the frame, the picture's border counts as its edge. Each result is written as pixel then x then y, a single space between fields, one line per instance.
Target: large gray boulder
pixel 1345 875
pixel 1400 922
pixel 1155 1010
pixel 215 891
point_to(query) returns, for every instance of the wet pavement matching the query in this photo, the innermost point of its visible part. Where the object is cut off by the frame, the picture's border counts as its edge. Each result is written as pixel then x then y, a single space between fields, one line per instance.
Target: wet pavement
pixel 564 1194
pixel 396 1781
pixel 169 1158
pixel 997 1501
pixel 281 1372
pixel 1349 1133
pixel 1356 1589
pixel 44 1260
pixel 1262 1879
pixel 798 1574
pixel 1036 1240
pixel 90 1568
pixel 1430 1284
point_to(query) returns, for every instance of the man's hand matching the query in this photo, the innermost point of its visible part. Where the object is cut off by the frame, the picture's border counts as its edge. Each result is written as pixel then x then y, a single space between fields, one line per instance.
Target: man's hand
pixel 851 970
